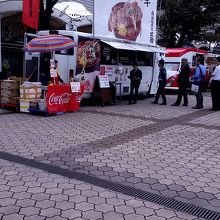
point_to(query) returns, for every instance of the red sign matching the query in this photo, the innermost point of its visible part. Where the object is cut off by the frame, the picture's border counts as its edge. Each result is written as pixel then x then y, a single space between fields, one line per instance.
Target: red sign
pixel 30 13
pixel 60 99
pixel 102 70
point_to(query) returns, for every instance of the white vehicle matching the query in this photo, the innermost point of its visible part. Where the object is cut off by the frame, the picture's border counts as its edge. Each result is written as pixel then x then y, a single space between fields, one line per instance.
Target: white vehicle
pixel 95 56
pixel 172 59
pixel 211 61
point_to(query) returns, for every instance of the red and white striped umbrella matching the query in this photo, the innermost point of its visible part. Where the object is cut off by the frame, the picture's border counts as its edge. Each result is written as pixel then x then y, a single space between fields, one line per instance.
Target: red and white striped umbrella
pixel 49 43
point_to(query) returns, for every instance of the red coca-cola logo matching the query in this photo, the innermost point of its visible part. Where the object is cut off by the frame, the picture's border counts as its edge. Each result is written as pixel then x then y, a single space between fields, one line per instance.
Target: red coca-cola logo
pixel 59 99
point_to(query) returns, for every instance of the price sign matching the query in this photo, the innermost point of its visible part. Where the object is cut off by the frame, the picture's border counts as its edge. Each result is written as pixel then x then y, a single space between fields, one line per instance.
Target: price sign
pixel 104 82
pixel 75 87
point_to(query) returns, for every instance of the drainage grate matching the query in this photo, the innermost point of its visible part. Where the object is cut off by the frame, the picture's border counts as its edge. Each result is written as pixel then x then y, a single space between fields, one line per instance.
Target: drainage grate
pixel 127 190
pixel 160 200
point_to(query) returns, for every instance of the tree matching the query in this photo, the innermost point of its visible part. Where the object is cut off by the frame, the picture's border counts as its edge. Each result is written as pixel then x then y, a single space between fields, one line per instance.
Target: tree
pixel 45 13
pixel 182 21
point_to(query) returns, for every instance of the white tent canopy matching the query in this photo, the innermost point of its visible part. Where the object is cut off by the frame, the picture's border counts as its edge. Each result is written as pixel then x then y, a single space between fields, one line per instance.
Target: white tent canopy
pixel 77 13
pixel 119 45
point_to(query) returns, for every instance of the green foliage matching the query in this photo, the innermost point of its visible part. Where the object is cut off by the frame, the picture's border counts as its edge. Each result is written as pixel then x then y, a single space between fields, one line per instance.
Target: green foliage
pixel 182 21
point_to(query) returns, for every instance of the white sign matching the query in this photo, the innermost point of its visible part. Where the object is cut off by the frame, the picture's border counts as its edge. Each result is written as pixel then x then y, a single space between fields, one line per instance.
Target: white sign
pixel 52 63
pixel 75 86
pixel 109 71
pixel 53 72
pixel 104 82
pixel 133 20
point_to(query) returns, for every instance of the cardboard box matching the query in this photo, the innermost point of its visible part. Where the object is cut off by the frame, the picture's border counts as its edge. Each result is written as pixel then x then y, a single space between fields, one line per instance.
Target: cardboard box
pixel 33 92
pixel 24 105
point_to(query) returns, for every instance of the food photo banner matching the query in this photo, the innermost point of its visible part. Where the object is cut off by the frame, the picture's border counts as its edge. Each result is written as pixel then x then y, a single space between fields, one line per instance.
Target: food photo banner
pixel 126 19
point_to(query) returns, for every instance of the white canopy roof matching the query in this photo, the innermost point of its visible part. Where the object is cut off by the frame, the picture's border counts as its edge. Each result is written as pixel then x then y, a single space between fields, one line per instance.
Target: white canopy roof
pixel 135 47
pixel 119 45
pixel 142 48
pixel 73 9
pixel 76 12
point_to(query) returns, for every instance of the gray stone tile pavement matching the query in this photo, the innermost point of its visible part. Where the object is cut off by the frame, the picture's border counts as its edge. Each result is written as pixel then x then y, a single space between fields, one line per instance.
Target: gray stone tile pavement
pixel 72 199
pixel 164 150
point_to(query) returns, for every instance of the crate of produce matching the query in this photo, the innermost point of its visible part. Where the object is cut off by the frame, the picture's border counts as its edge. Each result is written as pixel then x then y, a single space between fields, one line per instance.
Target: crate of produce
pixel 10 92
pixel 30 90
pixel 9 85
pixel 33 92
pixel 9 100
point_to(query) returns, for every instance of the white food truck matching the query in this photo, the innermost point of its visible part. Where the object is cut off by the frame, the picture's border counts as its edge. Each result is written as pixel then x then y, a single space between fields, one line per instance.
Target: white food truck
pixel 98 56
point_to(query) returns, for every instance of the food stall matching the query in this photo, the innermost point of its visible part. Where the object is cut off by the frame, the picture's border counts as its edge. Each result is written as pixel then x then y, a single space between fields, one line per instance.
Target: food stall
pixel 58 99
pixel 52 98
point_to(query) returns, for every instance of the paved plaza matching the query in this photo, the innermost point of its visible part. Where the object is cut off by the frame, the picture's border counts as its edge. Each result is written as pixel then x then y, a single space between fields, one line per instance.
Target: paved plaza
pixel 121 162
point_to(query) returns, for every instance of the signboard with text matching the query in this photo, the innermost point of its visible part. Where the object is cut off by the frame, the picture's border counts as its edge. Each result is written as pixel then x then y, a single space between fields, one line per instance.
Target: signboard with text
pixel 75 86
pixel 133 20
pixel 104 82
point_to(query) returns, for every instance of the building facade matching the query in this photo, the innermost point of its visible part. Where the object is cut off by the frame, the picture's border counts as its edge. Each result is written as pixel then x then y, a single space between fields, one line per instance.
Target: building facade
pixel 12 30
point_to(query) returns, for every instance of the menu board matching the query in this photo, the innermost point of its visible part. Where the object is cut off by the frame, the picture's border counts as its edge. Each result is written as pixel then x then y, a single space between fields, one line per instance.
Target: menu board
pixel 104 82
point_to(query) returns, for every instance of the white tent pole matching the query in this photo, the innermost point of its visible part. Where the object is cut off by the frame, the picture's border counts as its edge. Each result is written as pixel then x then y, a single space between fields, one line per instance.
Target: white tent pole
pixel 93 16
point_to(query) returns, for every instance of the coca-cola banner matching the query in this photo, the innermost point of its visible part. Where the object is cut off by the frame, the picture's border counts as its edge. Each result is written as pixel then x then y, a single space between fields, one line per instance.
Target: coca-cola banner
pixel 61 99
pixel 133 20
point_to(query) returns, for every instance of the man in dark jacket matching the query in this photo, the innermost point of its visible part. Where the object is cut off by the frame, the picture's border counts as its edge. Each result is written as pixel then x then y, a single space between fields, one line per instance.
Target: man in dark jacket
pixel 183 81
pixel 162 83
pixel 45 69
pixel 135 77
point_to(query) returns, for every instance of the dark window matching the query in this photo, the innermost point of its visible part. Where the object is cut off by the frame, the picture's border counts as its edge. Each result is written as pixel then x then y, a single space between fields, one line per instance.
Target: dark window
pixel 126 57
pixel 109 55
pixel 144 58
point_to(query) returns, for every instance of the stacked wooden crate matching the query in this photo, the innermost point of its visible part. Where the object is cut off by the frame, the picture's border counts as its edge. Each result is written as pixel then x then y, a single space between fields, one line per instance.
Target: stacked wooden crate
pixel 9 93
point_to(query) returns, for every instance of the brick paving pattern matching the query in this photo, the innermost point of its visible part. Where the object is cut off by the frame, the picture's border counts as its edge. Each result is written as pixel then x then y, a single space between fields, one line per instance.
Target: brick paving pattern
pixel 167 151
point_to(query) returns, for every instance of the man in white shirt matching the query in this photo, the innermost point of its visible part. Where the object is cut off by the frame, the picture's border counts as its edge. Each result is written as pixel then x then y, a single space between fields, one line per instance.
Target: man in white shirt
pixel 215 87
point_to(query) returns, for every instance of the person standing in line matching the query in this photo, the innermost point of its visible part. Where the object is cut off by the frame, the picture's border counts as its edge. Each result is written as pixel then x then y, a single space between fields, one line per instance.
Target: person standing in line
pixel 162 83
pixel 215 87
pixel 198 76
pixel 135 77
pixel 183 82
